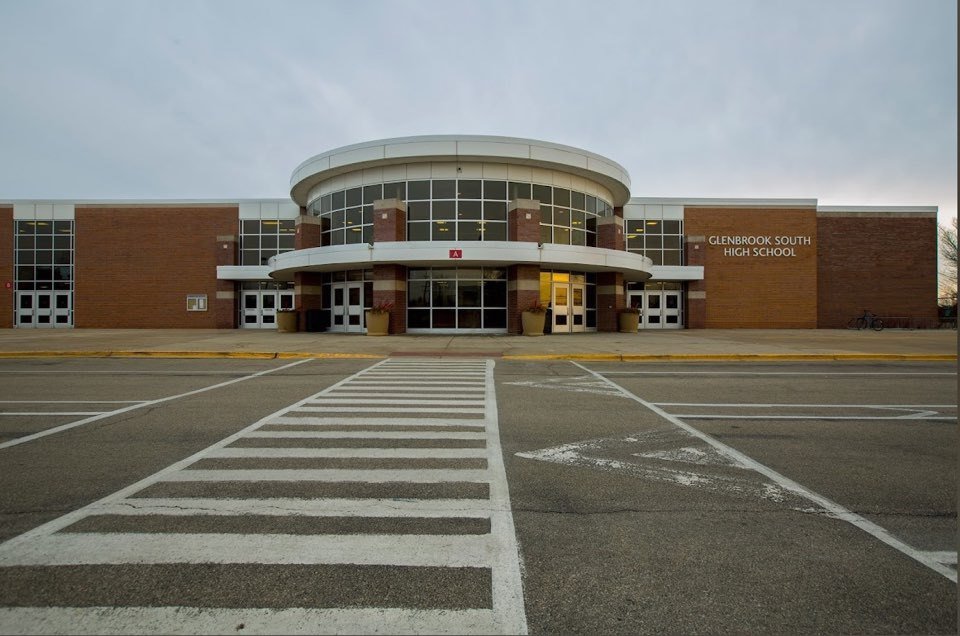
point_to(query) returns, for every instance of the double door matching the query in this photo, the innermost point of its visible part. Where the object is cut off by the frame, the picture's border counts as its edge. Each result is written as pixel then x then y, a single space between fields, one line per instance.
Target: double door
pixel 260 307
pixel 346 307
pixel 43 309
pixel 659 308
pixel 568 307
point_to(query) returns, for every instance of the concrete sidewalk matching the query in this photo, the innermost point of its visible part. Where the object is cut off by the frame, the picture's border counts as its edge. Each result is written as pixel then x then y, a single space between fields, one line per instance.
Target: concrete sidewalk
pixel 699 344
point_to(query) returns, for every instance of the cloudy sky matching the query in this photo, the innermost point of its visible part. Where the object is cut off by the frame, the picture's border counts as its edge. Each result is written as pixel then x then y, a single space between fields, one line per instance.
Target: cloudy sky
pixel 847 101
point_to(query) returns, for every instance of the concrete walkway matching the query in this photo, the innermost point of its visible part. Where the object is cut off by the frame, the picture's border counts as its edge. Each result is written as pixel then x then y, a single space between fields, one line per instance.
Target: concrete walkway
pixel 699 344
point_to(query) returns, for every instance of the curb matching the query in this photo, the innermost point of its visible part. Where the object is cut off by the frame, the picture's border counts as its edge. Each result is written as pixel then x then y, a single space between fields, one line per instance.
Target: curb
pixel 596 357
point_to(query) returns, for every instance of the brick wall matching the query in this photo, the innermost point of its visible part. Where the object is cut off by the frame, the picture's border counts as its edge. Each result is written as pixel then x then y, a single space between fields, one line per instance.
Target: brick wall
pixel 756 291
pixel 135 266
pixel 523 221
pixel 886 264
pixel 6 266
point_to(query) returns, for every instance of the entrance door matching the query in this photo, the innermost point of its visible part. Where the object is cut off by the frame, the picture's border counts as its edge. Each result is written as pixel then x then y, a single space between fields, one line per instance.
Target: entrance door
pixel 346 307
pixel 659 308
pixel 43 309
pixel 671 309
pixel 260 307
pixel 569 307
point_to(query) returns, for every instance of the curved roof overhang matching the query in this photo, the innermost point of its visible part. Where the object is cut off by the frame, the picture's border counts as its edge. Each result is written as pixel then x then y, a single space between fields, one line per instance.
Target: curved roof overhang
pixel 457 254
pixel 479 148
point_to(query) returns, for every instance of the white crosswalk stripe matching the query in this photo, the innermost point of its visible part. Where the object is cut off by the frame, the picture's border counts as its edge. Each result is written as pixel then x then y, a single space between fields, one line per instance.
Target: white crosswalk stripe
pixel 441 431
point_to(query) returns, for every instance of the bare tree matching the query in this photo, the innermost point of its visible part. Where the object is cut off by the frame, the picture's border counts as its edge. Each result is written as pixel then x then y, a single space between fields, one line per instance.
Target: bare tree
pixel 948 252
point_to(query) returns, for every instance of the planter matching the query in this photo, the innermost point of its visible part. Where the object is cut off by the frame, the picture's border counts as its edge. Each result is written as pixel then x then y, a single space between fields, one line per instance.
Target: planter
pixel 378 323
pixel 287 321
pixel 629 322
pixel 533 322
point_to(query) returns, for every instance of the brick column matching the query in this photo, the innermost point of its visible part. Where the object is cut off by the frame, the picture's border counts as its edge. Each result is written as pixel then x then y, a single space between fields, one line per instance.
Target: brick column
pixel 389 220
pixel 390 281
pixel 308 232
pixel 308 295
pixel 6 266
pixel 523 290
pixel 390 286
pixel 695 311
pixel 224 306
pixel 611 298
pixel 610 233
pixel 523 220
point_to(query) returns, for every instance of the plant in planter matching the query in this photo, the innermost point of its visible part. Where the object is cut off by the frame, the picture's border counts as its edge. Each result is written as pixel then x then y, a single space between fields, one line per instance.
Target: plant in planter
pixel 287 320
pixel 534 318
pixel 629 320
pixel 378 319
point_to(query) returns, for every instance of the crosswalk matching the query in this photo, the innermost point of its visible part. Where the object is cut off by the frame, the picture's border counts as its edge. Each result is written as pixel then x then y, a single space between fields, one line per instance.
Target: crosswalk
pixel 383 499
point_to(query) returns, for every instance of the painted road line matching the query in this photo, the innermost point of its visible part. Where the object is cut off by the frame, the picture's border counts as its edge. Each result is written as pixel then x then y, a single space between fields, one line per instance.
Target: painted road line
pixel 72 401
pixel 342 507
pixel 826 406
pixel 73 413
pixel 833 508
pixel 377 400
pixel 369 453
pixel 140 405
pixel 199 620
pixel 496 550
pixel 396 409
pixel 369 434
pixel 369 475
pixel 861 418
pixel 97 548
pixel 789 373
pixel 376 421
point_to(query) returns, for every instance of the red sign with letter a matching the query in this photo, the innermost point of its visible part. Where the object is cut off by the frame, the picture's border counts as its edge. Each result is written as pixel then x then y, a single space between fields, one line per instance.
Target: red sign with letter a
pixel 456 253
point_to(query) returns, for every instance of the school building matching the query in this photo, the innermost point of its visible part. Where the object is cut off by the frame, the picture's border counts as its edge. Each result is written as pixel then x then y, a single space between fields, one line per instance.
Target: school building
pixel 459 234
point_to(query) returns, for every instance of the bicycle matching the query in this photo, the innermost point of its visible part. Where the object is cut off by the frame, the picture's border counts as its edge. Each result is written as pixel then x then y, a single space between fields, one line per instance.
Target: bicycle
pixel 867 321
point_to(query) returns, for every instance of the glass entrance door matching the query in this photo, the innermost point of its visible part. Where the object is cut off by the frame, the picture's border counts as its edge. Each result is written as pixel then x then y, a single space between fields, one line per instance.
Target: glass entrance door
pixel 43 309
pixel 659 308
pixel 346 307
pixel 568 306
pixel 260 307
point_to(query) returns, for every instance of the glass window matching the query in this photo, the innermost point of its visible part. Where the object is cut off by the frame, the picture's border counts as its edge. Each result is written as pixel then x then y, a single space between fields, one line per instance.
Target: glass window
pixel 418 231
pixel 495 190
pixel 561 216
pixel 469 189
pixel 444 189
pixel 418 190
pixel 468 210
pixel 577 200
pixel 470 230
pixel 396 190
pixel 518 191
pixel 418 211
pixel 444 209
pixel 543 194
pixel 495 210
pixel 372 193
pixel 354 197
pixel 561 196
pixel 561 235
pixel 494 231
pixel 338 200
pixel 443 231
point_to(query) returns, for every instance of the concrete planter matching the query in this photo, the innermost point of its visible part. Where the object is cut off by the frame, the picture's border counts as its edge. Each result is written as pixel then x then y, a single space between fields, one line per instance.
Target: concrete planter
pixel 629 322
pixel 378 323
pixel 287 321
pixel 533 323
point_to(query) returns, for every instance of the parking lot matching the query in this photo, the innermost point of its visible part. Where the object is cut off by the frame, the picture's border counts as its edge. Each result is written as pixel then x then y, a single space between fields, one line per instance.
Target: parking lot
pixel 460 495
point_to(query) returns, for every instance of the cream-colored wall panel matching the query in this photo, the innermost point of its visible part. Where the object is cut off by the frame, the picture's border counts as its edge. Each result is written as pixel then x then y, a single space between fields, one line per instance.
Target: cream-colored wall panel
pixel 353 179
pixel 44 210
pixel 24 211
pixel 673 212
pixel 394 173
pixel 578 183
pixel 562 180
pixel 470 170
pixel 495 171
pixel 653 211
pixel 421 149
pixel 557 155
pixel 494 148
pixel 608 169
pixel 269 209
pixel 64 211
pixel 418 171
pixel 633 211
pixel 357 155
pixel 540 175
pixel 372 175
pixel 248 210
pixel 444 170
pixel 520 173
pixel 288 210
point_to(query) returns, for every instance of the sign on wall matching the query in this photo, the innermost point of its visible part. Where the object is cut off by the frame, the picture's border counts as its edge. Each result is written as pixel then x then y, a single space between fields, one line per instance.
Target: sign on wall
pixel 759 246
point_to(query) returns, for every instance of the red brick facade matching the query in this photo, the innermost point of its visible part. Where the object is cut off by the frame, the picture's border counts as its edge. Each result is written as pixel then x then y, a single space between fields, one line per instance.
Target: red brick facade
pixel 768 282
pixel 6 266
pixel 135 266
pixel 886 264
pixel 523 290
pixel 523 221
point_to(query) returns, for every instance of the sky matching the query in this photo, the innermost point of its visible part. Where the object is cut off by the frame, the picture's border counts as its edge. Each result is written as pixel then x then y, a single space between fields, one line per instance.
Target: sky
pixel 850 102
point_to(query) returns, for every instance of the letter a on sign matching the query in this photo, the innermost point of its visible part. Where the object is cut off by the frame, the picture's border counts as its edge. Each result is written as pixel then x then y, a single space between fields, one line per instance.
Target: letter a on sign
pixel 456 253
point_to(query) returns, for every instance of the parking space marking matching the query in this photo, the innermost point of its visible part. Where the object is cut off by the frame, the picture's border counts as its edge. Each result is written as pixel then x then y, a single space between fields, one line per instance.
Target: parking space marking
pixel 495 550
pixel 835 510
pixel 138 405
pixel 764 373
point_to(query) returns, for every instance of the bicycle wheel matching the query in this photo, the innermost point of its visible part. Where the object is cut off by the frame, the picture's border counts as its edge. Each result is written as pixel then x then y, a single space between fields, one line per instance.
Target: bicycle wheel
pixel 861 323
pixel 877 324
